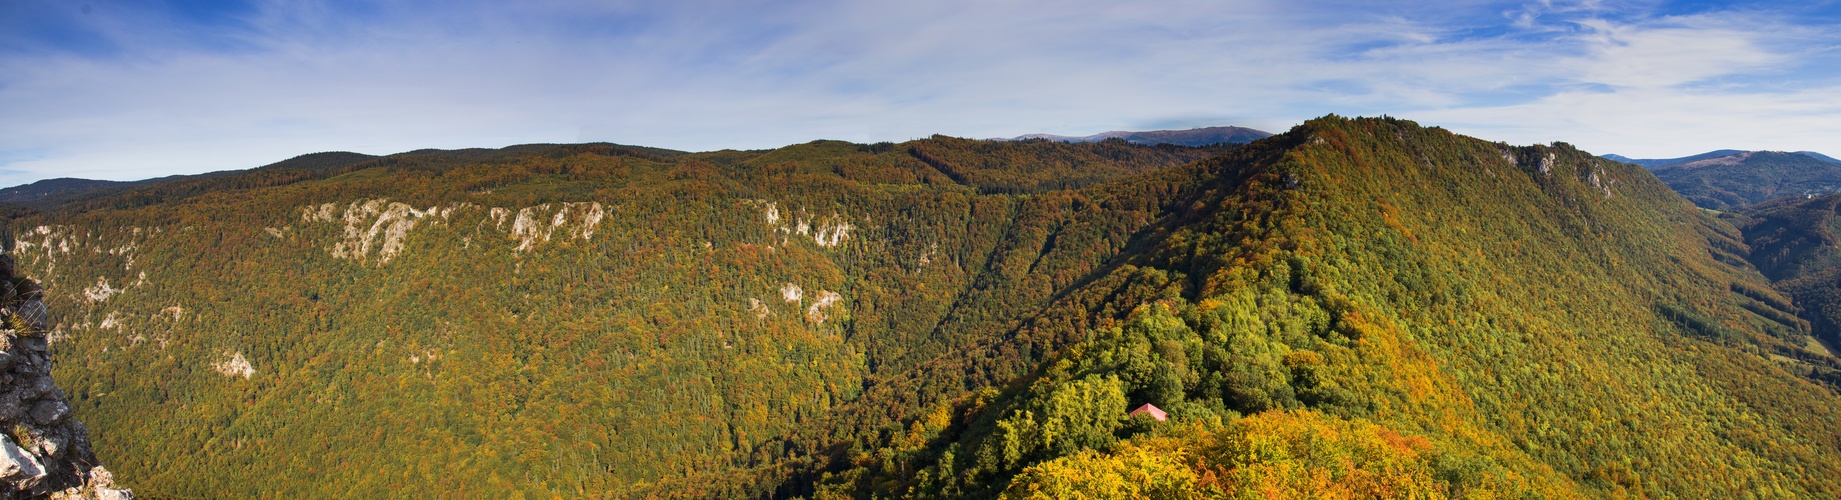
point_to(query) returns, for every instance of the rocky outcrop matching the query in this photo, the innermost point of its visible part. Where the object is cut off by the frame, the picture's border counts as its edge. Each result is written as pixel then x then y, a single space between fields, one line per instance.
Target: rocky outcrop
pixel 43 452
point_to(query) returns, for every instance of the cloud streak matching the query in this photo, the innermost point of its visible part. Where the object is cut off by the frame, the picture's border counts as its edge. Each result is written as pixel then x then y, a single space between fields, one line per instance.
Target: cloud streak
pixel 252 85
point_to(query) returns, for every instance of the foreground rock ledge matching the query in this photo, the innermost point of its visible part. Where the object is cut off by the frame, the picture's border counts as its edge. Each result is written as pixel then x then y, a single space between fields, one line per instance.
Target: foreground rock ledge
pixel 43 452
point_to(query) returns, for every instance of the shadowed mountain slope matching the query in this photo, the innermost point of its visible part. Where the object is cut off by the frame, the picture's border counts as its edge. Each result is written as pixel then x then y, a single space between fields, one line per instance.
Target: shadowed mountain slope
pixel 1796 241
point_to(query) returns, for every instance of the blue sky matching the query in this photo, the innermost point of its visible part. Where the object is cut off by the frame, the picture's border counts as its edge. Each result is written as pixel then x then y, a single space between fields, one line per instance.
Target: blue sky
pixel 130 90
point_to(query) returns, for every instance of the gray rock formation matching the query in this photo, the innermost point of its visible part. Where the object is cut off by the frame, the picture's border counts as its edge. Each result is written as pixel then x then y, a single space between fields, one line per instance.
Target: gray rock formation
pixel 43 452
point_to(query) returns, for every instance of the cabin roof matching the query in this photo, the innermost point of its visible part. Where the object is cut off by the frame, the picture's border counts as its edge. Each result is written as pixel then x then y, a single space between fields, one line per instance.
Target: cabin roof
pixel 1152 410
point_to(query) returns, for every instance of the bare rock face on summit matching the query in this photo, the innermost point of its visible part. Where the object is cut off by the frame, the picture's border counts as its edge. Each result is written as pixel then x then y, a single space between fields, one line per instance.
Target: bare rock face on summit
pixel 43 452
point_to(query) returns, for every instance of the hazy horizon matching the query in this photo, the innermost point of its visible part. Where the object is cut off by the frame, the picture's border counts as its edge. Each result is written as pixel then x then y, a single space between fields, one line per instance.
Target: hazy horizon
pixel 123 91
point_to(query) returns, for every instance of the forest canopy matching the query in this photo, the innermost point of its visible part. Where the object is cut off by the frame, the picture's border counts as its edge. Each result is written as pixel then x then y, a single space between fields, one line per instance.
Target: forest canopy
pixel 1355 308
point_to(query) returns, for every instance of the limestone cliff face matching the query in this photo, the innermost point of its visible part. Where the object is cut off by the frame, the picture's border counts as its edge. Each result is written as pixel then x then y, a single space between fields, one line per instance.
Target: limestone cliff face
pixel 43 452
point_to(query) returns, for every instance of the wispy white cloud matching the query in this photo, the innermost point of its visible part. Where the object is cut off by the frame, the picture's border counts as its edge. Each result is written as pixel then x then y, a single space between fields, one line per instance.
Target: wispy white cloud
pixel 301 76
pixel 1660 122
pixel 1680 52
pixel 1675 85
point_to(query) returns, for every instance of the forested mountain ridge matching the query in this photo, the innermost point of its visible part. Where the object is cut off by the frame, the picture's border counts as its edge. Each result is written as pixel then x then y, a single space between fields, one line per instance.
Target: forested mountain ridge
pixel 1356 307
pixel 1411 312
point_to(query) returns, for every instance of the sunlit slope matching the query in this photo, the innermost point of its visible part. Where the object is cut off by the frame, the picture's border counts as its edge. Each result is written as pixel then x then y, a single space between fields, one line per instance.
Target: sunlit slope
pixel 545 320
pixel 1394 310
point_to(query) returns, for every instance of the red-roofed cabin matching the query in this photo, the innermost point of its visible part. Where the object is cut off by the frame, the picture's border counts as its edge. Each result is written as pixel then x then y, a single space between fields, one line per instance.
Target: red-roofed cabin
pixel 1149 409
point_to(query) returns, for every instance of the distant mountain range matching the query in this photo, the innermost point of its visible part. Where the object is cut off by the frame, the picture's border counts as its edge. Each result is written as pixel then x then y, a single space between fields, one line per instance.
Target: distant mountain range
pixel 54 188
pixel 1192 137
pixel 1730 178
pixel 53 192
pixel 1663 163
